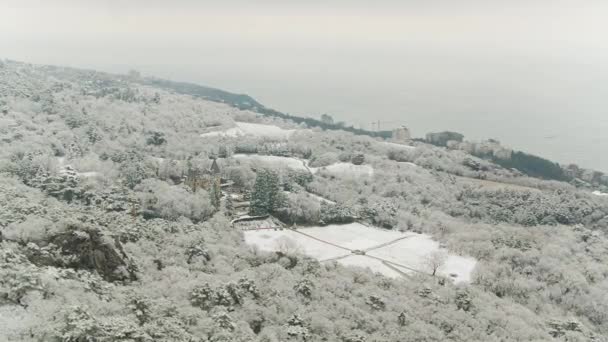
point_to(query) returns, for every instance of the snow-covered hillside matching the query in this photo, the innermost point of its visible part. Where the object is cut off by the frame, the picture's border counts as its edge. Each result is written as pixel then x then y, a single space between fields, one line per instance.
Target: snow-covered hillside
pixel 346 169
pixel 341 169
pixel 252 129
pixel 118 221
pixel 273 161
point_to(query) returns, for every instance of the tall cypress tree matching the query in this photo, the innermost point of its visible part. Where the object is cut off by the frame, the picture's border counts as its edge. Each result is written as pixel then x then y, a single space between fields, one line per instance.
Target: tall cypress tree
pixel 266 196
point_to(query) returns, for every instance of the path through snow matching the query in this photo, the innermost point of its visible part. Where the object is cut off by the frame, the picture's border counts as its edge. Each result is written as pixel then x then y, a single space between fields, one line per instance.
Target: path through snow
pixel 388 252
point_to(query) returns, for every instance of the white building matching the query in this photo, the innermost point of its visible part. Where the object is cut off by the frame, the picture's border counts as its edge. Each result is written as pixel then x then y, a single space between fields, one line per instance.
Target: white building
pixel 401 134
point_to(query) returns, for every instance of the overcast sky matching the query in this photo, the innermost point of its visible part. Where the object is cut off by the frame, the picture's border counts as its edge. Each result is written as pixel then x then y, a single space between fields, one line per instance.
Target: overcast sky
pixel 486 68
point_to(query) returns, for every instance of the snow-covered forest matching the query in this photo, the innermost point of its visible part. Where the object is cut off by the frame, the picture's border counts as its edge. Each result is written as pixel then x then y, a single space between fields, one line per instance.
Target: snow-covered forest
pixel 135 212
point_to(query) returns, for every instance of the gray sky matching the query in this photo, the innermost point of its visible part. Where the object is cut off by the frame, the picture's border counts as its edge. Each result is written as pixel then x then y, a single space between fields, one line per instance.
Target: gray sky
pixel 531 73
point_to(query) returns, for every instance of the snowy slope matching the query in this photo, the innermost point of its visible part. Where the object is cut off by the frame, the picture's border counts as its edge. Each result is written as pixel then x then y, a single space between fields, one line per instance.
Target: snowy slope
pixel 273 161
pixel 395 145
pixel 253 129
pixel 346 169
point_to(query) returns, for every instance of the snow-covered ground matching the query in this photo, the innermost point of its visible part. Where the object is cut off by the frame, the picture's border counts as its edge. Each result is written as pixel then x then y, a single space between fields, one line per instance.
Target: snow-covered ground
pixel 404 251
pixel 258 130
pixel 66 168
pixel 343 169
pixel 88 174
pixel 346 169
pixel 321 199
pixel 599 193
pixel 230 132
pixel 396 145
pixel 288 240
pixel 158 160
pixel 274 161
pixel 315 197
pixel 414 251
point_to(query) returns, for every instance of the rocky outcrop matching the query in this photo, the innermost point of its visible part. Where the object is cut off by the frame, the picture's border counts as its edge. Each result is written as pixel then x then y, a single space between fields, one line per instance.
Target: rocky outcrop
pixel 84 249
pixel 358 159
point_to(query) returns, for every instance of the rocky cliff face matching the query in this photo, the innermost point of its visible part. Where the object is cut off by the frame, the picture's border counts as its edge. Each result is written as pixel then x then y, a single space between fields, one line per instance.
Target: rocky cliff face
pixel 86 249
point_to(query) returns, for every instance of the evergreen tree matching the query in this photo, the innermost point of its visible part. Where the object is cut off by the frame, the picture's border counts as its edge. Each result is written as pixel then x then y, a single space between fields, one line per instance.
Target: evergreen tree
pixel 266 196
pixel 215 192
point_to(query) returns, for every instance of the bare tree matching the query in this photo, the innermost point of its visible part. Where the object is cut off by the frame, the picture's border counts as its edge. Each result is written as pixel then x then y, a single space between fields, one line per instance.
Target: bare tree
pixel 435 260
pixel 286 245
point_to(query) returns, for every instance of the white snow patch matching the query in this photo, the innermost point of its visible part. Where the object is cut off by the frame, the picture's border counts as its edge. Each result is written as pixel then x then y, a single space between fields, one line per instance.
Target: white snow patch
pixel 353 235
pixel 599 193
pixel 276 240
pixel 276 161
pixel 414 251
pixel 321 199
pixel 258 130
pixel 14 321
pixel 396 145
pixel 376 266
pixel 89 174
pixel 347 169
pixel 270 131
pixel 231 132
pixel 404 251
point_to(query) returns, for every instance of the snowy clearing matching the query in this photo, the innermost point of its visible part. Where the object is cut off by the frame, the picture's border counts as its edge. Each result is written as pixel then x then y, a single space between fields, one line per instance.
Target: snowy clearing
pixel 274 161
pixel 408 164
pixel 269 131
pixel 385 250
pixel 495 185
pixel 231 132
pixel 247 128
pixel 88 174
pixel 320 199
pixel 346 169
pixel 288 240
pixel 313 196
pixel 158 160
pixel 374 265
pixel 413 252
pixel 66 168
pixel 396 145
pixel 599 193
pixel 343 169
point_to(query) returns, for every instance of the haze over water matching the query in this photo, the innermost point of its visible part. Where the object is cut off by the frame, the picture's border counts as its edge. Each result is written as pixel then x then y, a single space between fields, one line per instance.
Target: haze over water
pixel 531 74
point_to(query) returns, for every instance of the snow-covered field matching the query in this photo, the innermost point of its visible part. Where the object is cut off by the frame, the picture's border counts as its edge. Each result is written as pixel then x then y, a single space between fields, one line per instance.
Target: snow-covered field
pixel 408 164
pixel 599 193
pixel 342 169
pixel 274 161
pixel 346 169
pixel 88 174
pixel 258 130
pixel 320 199
pixel 404 251
pixel 288 240
pixel 396 145
pixel 65 168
